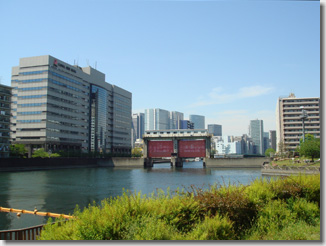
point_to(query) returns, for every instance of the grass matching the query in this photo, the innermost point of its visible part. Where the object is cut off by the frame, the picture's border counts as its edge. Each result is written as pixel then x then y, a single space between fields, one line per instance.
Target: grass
pixel 282 209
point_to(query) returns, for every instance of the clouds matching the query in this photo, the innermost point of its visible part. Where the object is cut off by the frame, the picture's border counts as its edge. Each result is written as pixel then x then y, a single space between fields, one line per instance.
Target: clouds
pixel 219 96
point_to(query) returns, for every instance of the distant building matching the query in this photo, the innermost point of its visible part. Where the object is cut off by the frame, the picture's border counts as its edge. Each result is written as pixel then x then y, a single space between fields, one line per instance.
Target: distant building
pixel 138 126
pixel 175 118
pixel 247 145
pixel 58 106
pixel 198 120
pixel 256 133
pixel 214 129
pixel 266 141
pixel 289 122
pixel 186 124
pixel 272 138
pixel 157 119
pixel 5 103
pixel 226 145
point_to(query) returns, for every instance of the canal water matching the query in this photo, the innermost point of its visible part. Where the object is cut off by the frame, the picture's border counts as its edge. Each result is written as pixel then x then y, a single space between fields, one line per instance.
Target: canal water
pixel 58 191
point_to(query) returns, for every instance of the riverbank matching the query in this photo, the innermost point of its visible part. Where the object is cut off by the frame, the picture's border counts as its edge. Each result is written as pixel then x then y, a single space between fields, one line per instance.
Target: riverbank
pixel 34 164
pixel 287 170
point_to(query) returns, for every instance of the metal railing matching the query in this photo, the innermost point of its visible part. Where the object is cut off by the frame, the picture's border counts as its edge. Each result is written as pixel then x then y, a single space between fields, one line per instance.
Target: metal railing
pixel 30 233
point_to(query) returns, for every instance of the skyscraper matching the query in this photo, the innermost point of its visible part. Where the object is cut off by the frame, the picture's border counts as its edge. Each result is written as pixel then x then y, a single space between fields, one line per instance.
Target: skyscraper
pixel 215 129
pixel 156 119
pixel 138 125
pixel 256 132
pixel 198 120
pixel 272 138
pixel 266 141
pixel 175 118
pixel 59 106
pixel 186 124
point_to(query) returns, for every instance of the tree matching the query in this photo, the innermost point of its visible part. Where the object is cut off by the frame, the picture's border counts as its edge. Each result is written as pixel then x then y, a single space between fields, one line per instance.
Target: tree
pixel 310 147
pixel 282 148
pixel 40 153
pixel 137 152
pixel 18 150
pixel 269 151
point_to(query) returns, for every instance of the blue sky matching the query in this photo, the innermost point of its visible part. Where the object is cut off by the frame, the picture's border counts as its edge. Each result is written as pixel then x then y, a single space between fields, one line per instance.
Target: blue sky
pixel 226 60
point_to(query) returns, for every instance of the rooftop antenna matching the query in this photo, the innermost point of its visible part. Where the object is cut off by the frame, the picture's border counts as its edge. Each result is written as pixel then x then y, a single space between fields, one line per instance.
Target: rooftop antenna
pixel 96 65
pixel 87 62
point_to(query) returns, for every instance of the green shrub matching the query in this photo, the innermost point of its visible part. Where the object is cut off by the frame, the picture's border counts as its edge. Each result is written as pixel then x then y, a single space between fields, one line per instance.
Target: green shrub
pixel 150 228
pixel 58 230
pixel 304 210
pixel 273 217
pixel 298 230
pixel 307 186
pixel 311 187
pixel 232 202
pixel 182 212
pixel 259 192
pixel 213 228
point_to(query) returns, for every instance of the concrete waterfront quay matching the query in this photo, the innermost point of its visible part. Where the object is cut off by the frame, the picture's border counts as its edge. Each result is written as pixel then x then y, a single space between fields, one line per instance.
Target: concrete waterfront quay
pixel 16 164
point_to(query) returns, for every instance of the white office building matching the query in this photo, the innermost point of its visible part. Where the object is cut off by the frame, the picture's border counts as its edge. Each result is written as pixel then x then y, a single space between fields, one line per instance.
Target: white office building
pixel 226 145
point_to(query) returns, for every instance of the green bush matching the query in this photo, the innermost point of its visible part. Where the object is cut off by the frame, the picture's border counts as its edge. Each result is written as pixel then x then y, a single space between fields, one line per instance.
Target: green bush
pixel 260 211
pixel 229 201
pixel 150 228
pixel 213 228
pixel 272 218
pixel 306 211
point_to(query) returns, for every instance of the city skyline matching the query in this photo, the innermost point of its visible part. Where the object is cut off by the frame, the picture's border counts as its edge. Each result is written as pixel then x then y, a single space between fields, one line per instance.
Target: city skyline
pixel 227 61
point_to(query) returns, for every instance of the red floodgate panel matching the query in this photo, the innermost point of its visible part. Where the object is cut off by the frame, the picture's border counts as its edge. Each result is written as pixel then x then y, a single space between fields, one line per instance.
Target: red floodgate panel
pixel 160 148
pixel 192 148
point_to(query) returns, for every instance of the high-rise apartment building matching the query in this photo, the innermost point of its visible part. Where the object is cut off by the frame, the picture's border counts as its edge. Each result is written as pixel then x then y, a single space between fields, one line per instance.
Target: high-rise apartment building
pixel 198 120
pixel 175 118
pixel 256 133
pixel 5 99
pixel 157 119
pixel 61 106
pixel 214 129
pixel 289 120
pixel 138 126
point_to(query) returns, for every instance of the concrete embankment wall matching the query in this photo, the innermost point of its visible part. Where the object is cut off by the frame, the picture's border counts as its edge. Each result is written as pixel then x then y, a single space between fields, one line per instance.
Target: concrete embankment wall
pixel 236 162
pixel 24 164
pixel 284 172
pixel 17 164
pixel 20 164
pixel 121 162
